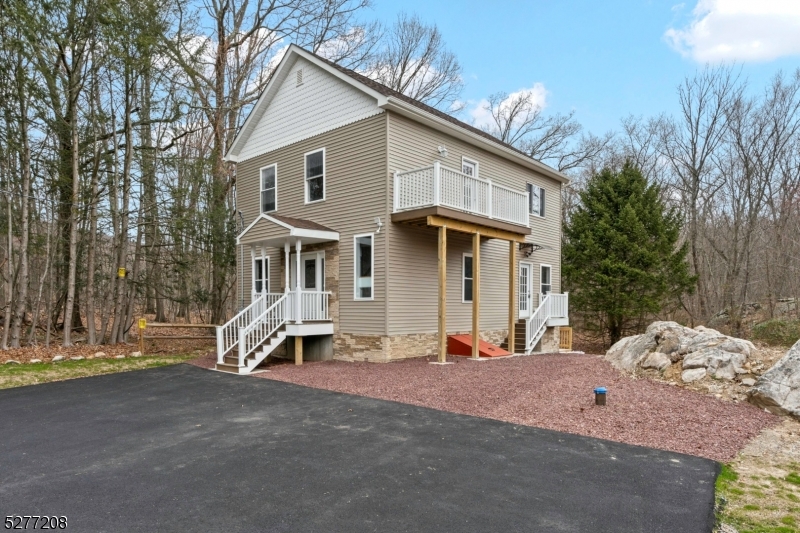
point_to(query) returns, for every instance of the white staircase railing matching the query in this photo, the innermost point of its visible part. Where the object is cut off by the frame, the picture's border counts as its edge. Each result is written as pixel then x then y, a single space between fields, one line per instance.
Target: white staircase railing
pixel 536 324
pixel 254 334
pixel 550 306
pixel 228 334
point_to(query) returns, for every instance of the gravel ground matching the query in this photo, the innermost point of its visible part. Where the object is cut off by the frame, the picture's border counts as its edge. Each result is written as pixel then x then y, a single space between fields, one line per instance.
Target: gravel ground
pixel 549 391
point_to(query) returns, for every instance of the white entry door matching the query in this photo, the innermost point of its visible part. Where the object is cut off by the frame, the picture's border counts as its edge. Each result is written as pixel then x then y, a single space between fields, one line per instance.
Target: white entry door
pixel 312 272
pixel 525 290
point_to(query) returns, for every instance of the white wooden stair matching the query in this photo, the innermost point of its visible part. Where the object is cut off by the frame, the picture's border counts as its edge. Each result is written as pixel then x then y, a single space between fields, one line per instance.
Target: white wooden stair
pixel 254 358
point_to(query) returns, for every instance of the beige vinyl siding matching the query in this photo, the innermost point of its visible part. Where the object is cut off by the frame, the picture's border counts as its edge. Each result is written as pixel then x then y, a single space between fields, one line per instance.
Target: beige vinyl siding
pixel 413 251
pixel 263 229
pixel 355 194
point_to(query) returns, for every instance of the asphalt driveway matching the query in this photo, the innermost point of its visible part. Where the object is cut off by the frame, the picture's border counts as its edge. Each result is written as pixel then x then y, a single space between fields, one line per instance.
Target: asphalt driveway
pixel 180 448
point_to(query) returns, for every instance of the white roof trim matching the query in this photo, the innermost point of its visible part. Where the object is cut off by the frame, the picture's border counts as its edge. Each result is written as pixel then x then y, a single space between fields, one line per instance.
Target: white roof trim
pixel 390 103
pixel 303 233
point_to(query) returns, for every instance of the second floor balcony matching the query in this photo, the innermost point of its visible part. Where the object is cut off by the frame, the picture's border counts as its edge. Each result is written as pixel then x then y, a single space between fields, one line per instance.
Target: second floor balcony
pixel 439 186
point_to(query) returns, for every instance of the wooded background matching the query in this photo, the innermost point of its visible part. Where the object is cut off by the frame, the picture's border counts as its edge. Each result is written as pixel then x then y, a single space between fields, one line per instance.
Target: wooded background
pixel 116 117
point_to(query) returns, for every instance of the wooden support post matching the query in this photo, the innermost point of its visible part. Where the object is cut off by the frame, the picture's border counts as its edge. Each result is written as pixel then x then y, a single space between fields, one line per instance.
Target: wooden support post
pixel 512 300
pixel 298 350
pixel 442 294
pixel 476 293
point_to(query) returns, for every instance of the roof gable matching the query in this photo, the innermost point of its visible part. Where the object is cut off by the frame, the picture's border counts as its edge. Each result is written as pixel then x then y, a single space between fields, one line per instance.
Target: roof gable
pixel 349 107
pixel 290 111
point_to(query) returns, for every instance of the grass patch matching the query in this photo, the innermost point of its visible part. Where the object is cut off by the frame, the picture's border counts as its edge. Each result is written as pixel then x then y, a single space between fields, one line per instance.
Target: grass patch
pixel 777 332
pixel 32 374
pixel 770 509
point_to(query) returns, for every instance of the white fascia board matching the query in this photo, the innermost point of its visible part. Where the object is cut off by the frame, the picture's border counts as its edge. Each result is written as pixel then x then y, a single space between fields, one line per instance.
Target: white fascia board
pixel 304 233
pixel 422 116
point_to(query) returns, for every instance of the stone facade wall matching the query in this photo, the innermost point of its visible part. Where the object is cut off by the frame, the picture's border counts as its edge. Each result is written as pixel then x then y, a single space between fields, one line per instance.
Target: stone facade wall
pixel 550 341
pixel 368 348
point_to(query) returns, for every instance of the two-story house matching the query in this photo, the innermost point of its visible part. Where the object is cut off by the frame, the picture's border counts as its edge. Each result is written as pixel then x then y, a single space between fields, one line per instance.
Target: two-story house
pixel 376 226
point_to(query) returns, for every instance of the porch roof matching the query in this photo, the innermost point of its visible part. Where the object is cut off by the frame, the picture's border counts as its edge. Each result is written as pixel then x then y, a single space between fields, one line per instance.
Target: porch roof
pixel 275 230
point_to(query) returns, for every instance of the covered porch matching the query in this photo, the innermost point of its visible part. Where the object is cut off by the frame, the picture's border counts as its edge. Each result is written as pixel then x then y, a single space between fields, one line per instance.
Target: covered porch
pixel 301 309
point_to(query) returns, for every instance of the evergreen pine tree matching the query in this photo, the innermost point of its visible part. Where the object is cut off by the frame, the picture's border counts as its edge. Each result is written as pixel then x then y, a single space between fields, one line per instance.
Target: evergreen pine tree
pixel 622 261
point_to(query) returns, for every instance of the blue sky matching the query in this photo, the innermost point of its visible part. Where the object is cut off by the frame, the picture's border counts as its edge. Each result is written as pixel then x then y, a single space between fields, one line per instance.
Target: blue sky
pixel 611 58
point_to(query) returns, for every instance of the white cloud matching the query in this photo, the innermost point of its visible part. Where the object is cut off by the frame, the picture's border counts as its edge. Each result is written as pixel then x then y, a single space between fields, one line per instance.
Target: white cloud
pixel 739 30
pixel 481 117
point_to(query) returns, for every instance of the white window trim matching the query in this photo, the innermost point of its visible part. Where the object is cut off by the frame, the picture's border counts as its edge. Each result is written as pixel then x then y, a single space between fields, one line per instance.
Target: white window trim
pixel 324 175
pixel 465 159
pixel 537 215
pixel 355 267
pixel 464 278
pixel 261 185
pixel 541 266
pixel 253 276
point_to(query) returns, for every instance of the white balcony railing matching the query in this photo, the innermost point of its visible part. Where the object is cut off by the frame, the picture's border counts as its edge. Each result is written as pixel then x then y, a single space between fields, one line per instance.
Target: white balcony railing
pixel 441 186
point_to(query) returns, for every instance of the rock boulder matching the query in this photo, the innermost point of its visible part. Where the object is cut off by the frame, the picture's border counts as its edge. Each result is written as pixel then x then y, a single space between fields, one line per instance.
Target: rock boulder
pixel 778 389
pixel 666 343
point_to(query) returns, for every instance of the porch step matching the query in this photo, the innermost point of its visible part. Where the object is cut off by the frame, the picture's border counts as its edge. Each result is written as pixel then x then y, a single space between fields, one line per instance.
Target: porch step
pixel 253 359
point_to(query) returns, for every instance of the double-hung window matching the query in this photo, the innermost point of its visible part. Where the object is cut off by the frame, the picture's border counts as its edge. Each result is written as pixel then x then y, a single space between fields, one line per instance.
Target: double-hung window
pixel 269 189
pixel 315 176
pixel 261 275
pixel 535 200
pixel 364 266
pixel 467 277
pixel 545 279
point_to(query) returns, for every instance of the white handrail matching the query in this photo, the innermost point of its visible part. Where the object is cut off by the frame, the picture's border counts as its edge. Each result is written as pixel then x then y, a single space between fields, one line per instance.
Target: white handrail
pixel 228 333
pixel 254 334
pixel 536 323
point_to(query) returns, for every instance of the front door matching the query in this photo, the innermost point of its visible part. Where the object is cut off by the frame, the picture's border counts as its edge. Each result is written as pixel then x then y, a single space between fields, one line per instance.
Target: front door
pixel 525 290
pixel 312 272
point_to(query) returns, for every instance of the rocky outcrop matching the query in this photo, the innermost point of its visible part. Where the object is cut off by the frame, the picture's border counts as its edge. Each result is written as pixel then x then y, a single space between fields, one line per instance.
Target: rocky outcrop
pixel 778 389
pixel 667 343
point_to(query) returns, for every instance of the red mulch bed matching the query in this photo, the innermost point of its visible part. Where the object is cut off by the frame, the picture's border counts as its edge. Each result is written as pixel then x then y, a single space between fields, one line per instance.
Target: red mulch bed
pixel 549 391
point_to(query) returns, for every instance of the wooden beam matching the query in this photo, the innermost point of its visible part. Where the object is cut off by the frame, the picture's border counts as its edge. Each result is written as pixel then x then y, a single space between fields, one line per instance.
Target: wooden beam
pixel 298 350
pixel 468 227
pixel 512 285
pixel 476 293
pixel 442 294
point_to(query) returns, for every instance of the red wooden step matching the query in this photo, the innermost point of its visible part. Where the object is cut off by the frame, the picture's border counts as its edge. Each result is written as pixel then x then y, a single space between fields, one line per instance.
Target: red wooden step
pixel 462 345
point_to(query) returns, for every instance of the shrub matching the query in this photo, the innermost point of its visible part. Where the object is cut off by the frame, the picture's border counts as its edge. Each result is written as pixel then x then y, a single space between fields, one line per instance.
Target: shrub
pixel 777 332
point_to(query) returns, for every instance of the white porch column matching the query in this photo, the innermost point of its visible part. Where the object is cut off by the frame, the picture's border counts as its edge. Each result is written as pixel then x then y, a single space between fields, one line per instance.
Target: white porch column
pixel 286 248
pixel 264 273
pixel 298 317
pixel 252 273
